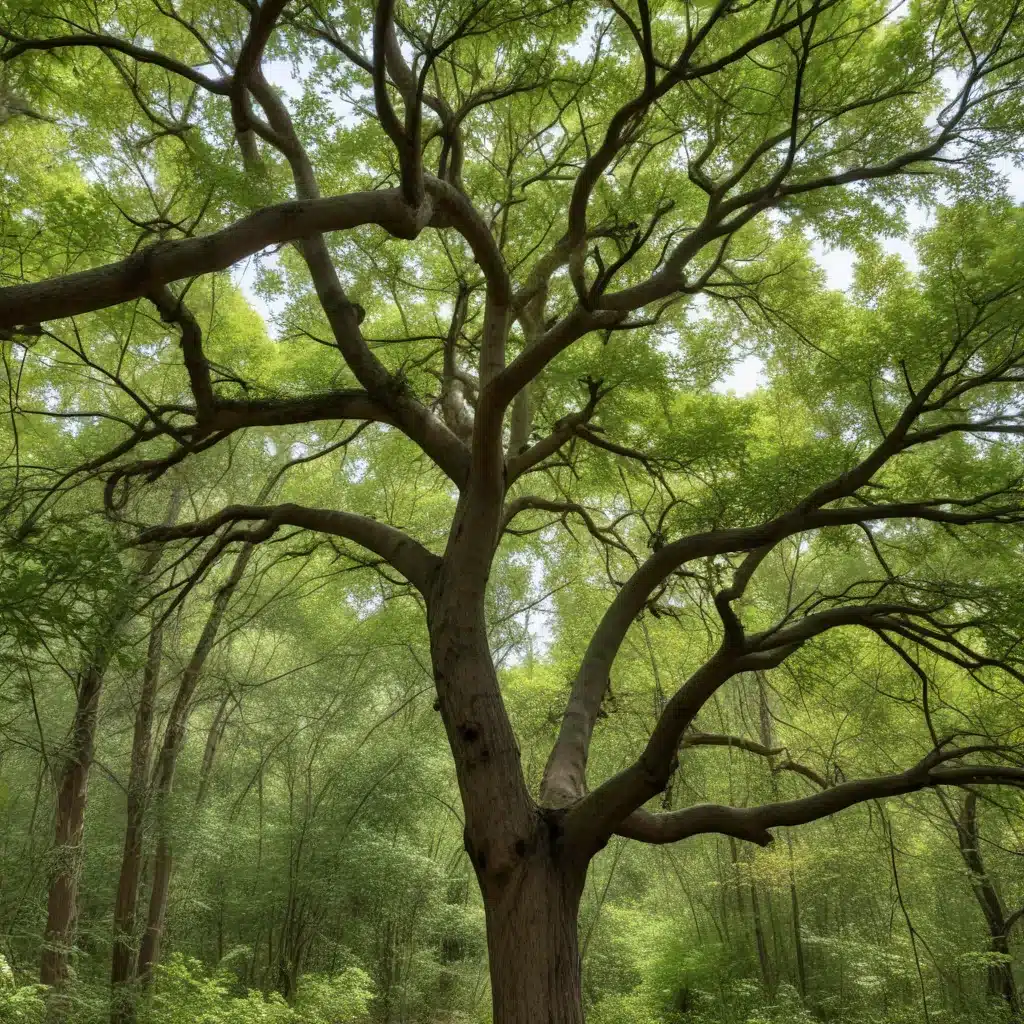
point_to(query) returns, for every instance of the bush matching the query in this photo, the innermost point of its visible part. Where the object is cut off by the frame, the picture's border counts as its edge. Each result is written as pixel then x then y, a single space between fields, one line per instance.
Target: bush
pixel 19 1004
pixel 186 994
pixel 343 999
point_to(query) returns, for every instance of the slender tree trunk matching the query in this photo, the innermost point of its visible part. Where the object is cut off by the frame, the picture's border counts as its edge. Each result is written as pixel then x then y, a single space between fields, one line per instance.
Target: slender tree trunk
pixel 72 795
pixel 122 966
pixel 73 787
pixel 763 959
pixel 1001 983
pixel 798 941
pixel 213 737
pixel 174 736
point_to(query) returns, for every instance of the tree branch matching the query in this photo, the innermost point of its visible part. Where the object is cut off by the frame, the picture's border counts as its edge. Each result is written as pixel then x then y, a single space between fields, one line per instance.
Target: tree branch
pixel 397 548
pixel 172 260
pixel 753 823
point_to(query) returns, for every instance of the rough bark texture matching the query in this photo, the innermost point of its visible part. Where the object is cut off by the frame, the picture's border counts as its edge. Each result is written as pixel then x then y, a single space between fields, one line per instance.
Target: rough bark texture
pixel 531 935
pixel 149 950
pixel 531 879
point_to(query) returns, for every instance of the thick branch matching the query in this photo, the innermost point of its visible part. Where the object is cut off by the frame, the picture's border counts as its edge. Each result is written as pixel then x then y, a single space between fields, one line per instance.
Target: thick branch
pixel 753 823
pixel 564 776
pixel 19 45
pixel 146 270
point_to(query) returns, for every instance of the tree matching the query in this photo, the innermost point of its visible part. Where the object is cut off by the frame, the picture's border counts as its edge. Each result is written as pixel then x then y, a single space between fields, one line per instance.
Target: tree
pixel 73 776
pixel 577 198
pixel 998 921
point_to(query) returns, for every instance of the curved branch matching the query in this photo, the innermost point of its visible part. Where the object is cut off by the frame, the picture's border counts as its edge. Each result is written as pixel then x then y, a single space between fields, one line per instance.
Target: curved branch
pixel 565 773
pixel 712 739
pixel 397 548
pixel 708 739
pixel 159 264
pixel 264 19
pixel 753 823
pixel 19 45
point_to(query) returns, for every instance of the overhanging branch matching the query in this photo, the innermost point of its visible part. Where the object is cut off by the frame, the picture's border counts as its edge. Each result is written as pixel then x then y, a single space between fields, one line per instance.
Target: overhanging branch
pixel 754 823
pixel 397 548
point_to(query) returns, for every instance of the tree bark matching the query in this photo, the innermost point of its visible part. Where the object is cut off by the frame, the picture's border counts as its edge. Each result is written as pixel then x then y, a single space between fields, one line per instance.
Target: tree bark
pixel 764 961
pixel 532 941
pixel 798 941
pixel 1001 983
pixel 213 737
pixel 530 877
pixel 73 786
pixel 122 966
pixel 69 825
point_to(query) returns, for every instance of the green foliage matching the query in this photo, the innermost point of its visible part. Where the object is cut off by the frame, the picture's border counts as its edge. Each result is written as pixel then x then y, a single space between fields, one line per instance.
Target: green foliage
pixel 344 999
pixel 319 871
pixel 187 994
pixel 19 1004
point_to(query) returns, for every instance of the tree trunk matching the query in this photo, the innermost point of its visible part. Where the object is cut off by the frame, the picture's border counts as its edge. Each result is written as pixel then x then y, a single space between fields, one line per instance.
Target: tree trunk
pixel 532 941
pixel 763 959
pixel 1001 983
pixel 530 882
pixel 794 899
pixel 122 965
pixel 72 794
pixel 73 787
pixel 213 737
pixel 174 737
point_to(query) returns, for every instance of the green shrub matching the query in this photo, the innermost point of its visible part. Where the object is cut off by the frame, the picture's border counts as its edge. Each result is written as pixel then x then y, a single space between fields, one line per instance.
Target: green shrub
pixel 187 994
pixel 19 1004
pixel 343 999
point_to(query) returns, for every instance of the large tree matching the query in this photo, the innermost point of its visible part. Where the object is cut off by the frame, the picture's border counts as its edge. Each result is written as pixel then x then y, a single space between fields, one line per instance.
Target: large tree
pixel 496 218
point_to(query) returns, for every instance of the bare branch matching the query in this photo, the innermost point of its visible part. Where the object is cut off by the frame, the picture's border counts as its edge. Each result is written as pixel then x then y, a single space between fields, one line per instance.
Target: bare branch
pixel 398 549
pixel 753 823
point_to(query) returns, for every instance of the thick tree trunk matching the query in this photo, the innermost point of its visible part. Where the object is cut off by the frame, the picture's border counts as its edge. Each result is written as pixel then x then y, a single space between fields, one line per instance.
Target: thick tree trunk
pixel 530 882
pixel 149 950
pixel 122 965
pixel 532 939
